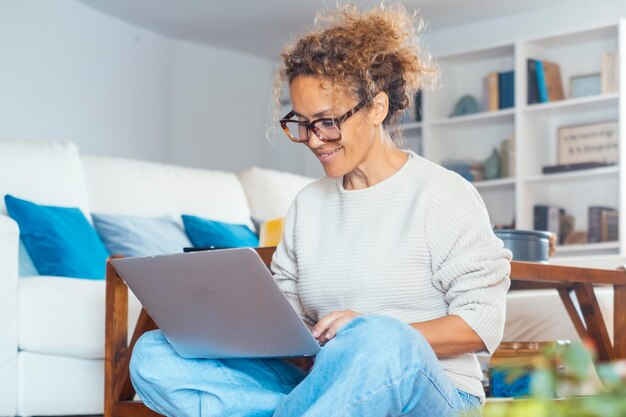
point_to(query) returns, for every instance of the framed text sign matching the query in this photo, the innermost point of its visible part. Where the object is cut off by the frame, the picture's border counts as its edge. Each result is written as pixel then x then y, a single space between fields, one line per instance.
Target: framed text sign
pixel 597 142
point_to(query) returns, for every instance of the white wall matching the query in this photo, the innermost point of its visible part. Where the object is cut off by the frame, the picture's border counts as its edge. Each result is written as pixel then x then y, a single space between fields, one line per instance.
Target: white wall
pixel 69 72
pixel 547 20
pixel 220 107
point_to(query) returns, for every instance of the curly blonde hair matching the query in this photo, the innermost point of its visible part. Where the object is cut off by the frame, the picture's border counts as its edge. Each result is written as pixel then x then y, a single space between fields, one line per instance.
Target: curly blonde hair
pixel 366 53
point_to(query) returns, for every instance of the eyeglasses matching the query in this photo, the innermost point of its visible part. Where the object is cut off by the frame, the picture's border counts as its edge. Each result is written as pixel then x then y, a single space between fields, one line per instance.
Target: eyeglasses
pixel 326 129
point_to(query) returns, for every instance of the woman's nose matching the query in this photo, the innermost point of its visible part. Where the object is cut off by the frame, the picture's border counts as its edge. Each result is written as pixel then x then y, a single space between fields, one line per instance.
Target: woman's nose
pixel 314 142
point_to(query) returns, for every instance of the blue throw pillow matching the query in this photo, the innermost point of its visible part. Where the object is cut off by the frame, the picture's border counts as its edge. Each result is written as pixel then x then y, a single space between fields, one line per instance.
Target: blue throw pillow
pixel 204 233
pixel 140 236
pixel 59 240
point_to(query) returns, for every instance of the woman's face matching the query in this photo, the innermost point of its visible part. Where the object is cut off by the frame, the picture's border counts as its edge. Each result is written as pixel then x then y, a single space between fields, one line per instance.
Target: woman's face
pixel 313 99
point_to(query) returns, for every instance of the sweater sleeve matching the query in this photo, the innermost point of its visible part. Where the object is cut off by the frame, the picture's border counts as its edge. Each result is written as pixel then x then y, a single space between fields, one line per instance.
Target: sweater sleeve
pixel 284 267
pixel 469 263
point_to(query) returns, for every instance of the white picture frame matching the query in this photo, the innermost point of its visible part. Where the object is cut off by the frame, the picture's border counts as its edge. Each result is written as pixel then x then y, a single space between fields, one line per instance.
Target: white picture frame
pixel 585 85
pixel 592 142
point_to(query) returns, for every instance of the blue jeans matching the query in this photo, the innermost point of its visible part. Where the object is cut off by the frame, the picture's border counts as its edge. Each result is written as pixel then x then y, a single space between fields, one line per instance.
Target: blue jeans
pixel 375 366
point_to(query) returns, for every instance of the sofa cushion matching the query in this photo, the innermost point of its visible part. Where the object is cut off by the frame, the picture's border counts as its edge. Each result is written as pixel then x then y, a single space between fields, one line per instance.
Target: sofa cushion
pixel 48 172
pixel 140 236
pixel 206 233
pixel 149 189
pixel 59 240
pixel 52 385
pixel 269 192
pixel 65 316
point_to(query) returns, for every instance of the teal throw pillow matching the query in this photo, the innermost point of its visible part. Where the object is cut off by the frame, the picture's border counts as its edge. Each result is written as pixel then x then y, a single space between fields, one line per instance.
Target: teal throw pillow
pixel 59 240
pixel 205 233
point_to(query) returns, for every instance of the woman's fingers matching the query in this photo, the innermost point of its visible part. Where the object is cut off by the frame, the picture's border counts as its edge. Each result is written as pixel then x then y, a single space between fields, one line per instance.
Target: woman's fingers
pixel 329 325
pixel 336 326
pixel 324 323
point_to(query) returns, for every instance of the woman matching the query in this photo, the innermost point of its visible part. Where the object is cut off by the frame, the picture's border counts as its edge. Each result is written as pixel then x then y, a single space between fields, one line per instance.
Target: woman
pixel 389 258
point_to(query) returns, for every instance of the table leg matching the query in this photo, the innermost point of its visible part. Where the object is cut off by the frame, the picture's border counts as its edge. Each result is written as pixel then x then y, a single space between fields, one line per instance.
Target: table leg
pixel 619 321
pixel 596 328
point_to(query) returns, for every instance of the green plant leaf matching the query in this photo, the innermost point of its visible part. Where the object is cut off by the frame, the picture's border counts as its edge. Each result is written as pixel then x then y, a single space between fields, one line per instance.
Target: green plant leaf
pixel 543 384
pixel 578 361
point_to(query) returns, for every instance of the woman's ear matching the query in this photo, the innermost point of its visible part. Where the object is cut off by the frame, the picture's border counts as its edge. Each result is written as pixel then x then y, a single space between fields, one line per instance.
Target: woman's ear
pixel 380 107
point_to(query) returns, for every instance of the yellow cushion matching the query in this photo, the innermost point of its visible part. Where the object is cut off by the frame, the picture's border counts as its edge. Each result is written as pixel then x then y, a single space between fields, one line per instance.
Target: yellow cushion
pixel 271 232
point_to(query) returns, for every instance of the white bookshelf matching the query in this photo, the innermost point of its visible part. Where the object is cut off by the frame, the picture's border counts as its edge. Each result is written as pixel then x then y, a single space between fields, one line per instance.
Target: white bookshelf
pixel 440 138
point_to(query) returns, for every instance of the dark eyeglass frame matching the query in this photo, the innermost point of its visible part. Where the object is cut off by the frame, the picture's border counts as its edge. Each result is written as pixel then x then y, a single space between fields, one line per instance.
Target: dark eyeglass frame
pixel 310 126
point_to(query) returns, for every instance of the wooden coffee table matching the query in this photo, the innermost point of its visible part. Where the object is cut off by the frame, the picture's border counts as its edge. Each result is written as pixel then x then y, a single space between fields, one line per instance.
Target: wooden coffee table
pixel 119 392
pixel 580 281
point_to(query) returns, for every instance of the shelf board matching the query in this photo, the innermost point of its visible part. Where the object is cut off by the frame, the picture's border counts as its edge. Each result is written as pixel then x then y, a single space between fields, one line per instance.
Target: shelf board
pixel 595 260
pixel 474 118
pixel 411 126
pixel 491 184
pixel 586 247
pixel 583 173
pixel 600 101
pixel 480 54
pixel 575 37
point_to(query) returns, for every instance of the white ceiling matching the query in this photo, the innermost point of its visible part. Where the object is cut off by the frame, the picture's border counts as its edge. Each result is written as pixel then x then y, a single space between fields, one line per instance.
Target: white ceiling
pixel 261 27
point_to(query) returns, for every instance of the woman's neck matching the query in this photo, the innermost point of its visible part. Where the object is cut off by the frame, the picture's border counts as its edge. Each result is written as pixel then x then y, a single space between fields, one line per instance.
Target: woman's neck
pixel 379 164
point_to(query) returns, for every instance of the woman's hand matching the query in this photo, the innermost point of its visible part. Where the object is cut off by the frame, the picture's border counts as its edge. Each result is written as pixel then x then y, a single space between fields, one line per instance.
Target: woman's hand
pixel 329 325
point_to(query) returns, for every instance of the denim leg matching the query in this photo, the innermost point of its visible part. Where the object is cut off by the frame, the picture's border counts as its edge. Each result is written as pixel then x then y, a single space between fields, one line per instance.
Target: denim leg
pixel 376 366
pixel 175 386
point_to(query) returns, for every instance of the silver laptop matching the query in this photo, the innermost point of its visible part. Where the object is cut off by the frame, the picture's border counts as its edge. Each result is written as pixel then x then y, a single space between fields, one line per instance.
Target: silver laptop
pixel 218 304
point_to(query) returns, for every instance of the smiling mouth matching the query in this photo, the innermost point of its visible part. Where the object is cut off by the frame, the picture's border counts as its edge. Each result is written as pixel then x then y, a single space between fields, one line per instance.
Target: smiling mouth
pixel 326 155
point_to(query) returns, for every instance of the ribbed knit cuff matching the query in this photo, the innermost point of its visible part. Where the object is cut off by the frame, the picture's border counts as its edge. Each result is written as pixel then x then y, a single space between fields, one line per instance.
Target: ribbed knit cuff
pixel 487 323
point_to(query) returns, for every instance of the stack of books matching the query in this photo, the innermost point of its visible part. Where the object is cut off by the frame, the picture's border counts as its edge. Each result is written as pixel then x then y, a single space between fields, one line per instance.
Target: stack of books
pixel 500 90
pixel 544 82
pixel 603 224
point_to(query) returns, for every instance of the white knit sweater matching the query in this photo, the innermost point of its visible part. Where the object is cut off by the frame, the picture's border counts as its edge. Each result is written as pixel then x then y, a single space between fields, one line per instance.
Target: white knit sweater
pixel 416 246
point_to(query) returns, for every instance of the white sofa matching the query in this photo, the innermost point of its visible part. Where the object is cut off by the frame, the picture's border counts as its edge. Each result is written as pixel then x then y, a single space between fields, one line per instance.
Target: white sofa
pixel 52 328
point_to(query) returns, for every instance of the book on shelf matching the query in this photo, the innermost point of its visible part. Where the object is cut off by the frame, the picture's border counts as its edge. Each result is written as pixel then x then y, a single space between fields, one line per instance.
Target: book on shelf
pixel 531 81
pixel 553 82
pixel 609 226
pixel 544 81
pixel 507 157
pixel 609 72
pixel 541 83
pixel 506 89
pixel 418 106
pixel 603 224
pixel 492 91
pixel 548 218
pixel 553 169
